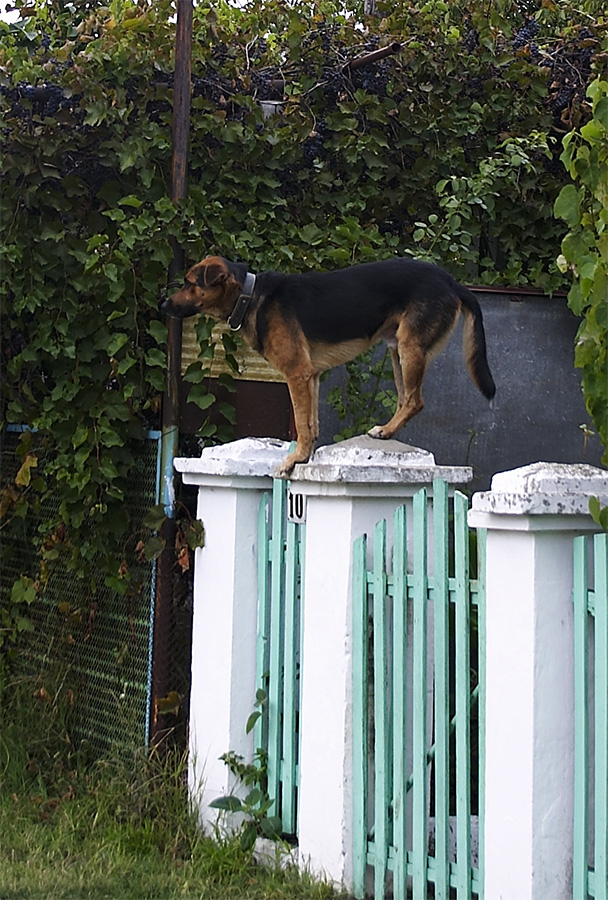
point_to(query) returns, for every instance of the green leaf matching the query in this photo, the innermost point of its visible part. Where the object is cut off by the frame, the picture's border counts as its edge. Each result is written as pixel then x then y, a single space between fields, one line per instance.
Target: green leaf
pixel 23 591
pixel 228 803
pixel 600 112
pixel 156 357
pixel 108 468
pixel 128 153
pixel 153 548
pixel 200 395
pixel 155 517
pixel 158 330
pixel 156 377
pixel 272 827
pixel 253 718
pixel 195 534
pixel 116 342
pixel 598 513
pixel 253 797
pixel 116 314
pixel 568 205
pixel 131 200
pixel 248 837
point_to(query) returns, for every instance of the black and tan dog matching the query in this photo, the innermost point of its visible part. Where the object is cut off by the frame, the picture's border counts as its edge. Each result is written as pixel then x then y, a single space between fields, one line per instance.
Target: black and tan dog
pixel 306 324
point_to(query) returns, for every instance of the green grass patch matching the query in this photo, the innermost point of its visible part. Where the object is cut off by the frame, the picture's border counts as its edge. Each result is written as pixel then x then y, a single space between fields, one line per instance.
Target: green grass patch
pixel 76 827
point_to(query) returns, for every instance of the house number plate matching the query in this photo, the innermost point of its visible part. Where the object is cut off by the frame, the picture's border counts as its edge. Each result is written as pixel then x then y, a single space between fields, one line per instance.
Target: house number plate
pixel 296 507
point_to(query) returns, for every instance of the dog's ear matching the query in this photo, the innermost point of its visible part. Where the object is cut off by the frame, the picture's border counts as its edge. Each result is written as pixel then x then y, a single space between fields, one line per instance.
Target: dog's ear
pixel 211 276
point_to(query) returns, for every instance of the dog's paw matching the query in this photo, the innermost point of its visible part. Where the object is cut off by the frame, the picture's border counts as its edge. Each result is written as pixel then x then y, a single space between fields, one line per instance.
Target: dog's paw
pixel 377 432
pixel 285 468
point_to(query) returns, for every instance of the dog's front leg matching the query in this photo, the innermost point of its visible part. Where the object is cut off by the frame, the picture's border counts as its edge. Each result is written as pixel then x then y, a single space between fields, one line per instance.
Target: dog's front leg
pixel 300 390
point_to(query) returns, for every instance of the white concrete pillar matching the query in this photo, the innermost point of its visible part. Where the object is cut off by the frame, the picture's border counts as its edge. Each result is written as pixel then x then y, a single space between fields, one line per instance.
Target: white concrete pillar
pixel 348 487
pixel 231 479
pixel 532 515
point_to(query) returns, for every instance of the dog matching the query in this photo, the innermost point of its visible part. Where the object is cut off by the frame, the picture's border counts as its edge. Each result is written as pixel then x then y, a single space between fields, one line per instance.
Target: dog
pixel 305 324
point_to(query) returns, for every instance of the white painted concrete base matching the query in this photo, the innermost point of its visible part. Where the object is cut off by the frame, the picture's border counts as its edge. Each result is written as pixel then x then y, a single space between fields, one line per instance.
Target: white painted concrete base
pixel 532 515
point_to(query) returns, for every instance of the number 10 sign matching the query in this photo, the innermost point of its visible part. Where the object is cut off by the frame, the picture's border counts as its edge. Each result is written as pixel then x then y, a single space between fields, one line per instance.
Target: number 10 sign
pixel 296 507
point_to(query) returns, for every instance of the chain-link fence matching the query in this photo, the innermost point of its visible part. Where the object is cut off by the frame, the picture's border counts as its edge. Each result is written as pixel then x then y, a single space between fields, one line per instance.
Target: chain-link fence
pixel 98 642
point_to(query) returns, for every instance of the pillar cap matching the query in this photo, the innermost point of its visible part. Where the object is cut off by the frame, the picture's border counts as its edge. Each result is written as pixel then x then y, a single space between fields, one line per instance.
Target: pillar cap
pixel 243 458
pixel 544 489
pixel 367 460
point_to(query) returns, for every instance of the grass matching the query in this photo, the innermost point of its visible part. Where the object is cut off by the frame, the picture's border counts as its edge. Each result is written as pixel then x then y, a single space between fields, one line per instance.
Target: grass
pixel 115 828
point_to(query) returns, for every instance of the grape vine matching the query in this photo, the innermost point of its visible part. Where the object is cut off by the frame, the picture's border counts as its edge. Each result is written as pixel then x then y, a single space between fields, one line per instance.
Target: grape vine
pixel 447 149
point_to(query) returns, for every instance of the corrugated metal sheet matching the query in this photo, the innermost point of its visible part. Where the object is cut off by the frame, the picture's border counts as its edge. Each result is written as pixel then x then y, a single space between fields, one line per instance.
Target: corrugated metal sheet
pixel 252 366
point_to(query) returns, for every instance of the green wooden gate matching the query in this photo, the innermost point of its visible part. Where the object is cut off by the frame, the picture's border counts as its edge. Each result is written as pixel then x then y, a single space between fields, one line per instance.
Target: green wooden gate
pixel 418 703
pixel 418 634
pixel 590 870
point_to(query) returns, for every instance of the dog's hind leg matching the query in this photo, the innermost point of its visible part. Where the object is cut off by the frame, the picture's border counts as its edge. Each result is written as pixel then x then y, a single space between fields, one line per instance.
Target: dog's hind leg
pixel 314 385
pixel 397 374
pixel 413 360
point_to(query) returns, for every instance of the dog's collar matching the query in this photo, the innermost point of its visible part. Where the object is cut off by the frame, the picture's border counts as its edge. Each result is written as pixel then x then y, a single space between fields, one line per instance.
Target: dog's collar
pixel 235 319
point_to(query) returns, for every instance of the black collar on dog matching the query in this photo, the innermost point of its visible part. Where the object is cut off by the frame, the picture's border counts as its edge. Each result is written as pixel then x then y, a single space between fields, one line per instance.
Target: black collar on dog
pixel 235 319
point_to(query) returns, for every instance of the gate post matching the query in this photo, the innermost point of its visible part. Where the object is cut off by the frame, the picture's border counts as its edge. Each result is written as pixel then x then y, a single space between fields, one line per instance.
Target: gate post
pixel 348 487
pixel 231 480
pixel 531 516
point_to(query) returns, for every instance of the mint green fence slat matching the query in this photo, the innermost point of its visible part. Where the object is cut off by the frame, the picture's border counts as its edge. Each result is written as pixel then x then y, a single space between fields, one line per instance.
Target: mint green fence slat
pixel 290 703
pixel 419 685
pixel 360 714
pixel 275 685
pixel 601 715
pixel 400 643
pixel 463 690
pixel 590 851
pixel 481 700
pixel 441 602
pixel 581 721
pixel 381 720
pixel 420 621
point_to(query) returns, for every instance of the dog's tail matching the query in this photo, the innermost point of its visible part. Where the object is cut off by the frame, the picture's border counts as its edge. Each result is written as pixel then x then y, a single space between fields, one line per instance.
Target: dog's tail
pixel 474 342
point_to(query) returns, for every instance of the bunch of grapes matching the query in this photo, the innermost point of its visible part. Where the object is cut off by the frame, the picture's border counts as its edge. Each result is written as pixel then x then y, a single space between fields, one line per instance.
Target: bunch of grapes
pixel 322 37
pixel 43 100
pixel 570 73
pixel 334 86
pixel 373 78
pixel 314 145
pixel 525 35
pixel 470 42
pixel 267 84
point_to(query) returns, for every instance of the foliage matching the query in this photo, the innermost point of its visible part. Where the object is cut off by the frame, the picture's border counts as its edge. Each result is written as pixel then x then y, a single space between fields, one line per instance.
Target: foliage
pixel 363 399
pixel 598 512
pixel 584 207
pixel 446 149
pixel 256 804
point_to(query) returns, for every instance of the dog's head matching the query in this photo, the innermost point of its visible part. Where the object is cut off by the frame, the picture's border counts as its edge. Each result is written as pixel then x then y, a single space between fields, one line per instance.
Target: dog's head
pixel 209 287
